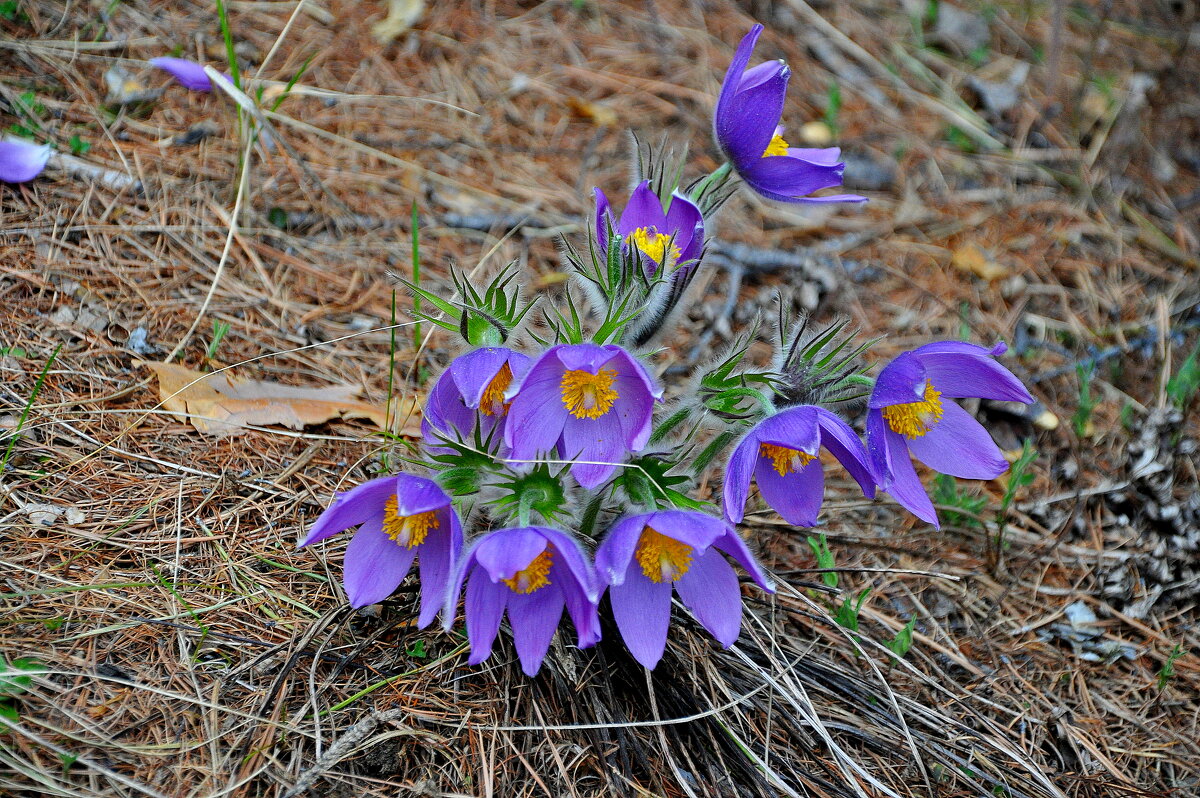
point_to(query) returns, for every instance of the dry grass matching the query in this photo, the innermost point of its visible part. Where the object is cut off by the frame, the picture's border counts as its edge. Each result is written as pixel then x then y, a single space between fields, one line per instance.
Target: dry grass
pixel 190 650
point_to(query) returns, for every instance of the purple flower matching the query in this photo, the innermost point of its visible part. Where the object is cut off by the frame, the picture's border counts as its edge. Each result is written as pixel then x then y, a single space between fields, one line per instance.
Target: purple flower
pixel 907 412
pixel 782 452
pixel 22 160
pixel 666 240
pixel 533 572
pixel 472 388
pixel 644 556
pixel 593 403
pixel 398 518
pixel 747 129
pixel 190 74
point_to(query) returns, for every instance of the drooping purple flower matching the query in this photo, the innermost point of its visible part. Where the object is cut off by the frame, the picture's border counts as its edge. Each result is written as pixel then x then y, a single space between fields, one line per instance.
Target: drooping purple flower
pixel 22 160
pixel 667 240
pixel 532 572
pixel 747 129
pixel 907 412
pixel 781 453
pixel 644 557
pixel 190 74
pixel 591 403
pixel 398 518
pixel 471 388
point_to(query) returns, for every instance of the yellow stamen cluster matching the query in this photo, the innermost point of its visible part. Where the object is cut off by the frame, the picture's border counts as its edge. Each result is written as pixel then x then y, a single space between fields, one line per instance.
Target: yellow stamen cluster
pixel 588 395
pixel 663 559
pixel 777 146
pixel 914 419
pixel 492 403
pixel 656 246
pixel 407 530
pixel 534 576
pixel 785 460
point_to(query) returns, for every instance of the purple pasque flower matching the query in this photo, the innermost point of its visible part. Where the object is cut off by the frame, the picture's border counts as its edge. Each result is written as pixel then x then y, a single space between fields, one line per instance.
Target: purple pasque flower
pixel 398 518
pixel 666 240
pixel 592 403
pixel 908 412
pixel 472 388
pixel 644 557
pixel 782 454
pixel 747 129
pixel 22 160
pixel 532 572
pixel 190 74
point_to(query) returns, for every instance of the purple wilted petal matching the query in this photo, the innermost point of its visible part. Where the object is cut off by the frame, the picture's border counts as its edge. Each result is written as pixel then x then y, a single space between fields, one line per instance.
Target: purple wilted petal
pixel 847 447
pixel 961 370
pixel 797 495
pixel 710 590
pixel 484 607
pixel 958 445
pixel 21 160
pixel 351 508
pixel 190 74
pixel 642 610
pixel 534 618
pixel 374 565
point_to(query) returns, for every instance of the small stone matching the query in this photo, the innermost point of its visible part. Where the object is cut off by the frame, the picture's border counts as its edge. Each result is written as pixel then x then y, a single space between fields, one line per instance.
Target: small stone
pixel 816 134
pixel 75 516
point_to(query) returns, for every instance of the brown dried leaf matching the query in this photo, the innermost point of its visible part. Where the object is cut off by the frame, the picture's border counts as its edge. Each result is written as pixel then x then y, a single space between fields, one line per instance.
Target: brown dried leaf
pixel 970 258
pixel 217 404
pixel 595 113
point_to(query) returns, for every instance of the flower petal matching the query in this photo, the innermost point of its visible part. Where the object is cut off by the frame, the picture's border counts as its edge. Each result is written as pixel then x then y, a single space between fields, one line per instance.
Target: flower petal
pixel 904 486
pixel 958 445
pixel 797 495
pixel 687 223
pixel 826 156
pixel 581 607
pixel 790 179
pixel 352 508
pixel 899 382
pixel 710 590
pixel 616 549
pixel 445 411
pixel 484 608
pixel 697 530
pixel 735 74
pixel 503 552
pixel 642 610
pixel 597 445
pixel 535 418
pixel 571 556
pixel 735 547
pixel 644 209
pixel 190 74
pixel 795 428
pixel 963 374
pixel 534 618
pixel 418 495
pixel 847 447
pixel 436 557
pixel 374 565
pixel 22 160
pixel 474 371
pixel 737 478
pixel 603 217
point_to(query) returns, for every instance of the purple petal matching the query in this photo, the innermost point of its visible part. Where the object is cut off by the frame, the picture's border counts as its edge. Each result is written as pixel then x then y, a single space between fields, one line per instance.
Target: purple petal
pixel 797 495
pixel 877 430
pixel 642 610
pixel 374 565
pixel 603 216
pixel 535 418
pixel 505 551
pixel 749 105
pixel 958 445
pixel 22 160
pixel 710 590
pixel 616 550
pixel 190 74
pixel 581 607
pixel 687 223
pixel 838 438
pixel 418 495
pixel 596 444
pixel 737 478
pixel 697 530
pixel 959 375
pixel 826 198
pixel 737 68
pixel 827 156
pixel 644 209
pixel 901 381
pixel 484 608
pixel 904 485
pixel 437 555
pixel 735 547
pixel 790 179
pixel 474 371
pixel 534 617
pixel 582 357
pixel 445 410
pixel 352 508
pixel 571 556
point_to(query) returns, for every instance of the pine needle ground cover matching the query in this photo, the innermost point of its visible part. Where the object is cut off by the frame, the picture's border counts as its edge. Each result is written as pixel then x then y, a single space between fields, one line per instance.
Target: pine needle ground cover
pixel 276 232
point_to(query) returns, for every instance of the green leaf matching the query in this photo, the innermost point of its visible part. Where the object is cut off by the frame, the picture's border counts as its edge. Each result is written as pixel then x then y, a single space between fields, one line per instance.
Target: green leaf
pixel 825 559
pixel 847 613
pixel 902 642
pixel 1182 387
pixel 12 680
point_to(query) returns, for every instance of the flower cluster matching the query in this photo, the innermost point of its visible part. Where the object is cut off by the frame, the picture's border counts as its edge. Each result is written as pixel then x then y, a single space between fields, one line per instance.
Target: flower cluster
pixel 546 443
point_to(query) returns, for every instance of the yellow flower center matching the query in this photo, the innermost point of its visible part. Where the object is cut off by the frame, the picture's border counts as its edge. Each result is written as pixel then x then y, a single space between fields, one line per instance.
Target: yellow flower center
pixel 407 530
pixel 785 460
pixel 777 146
pixel 663 559
pixel 588 395
pixel 656 246
pixel 914 419
pixel 534 576
pixel 492 403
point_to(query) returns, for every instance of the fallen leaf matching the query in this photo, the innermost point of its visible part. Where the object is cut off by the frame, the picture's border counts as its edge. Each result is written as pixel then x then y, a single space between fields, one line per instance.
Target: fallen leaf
pixel 597 114
pixel 970 258
pixel 401 15
pixel 218 404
